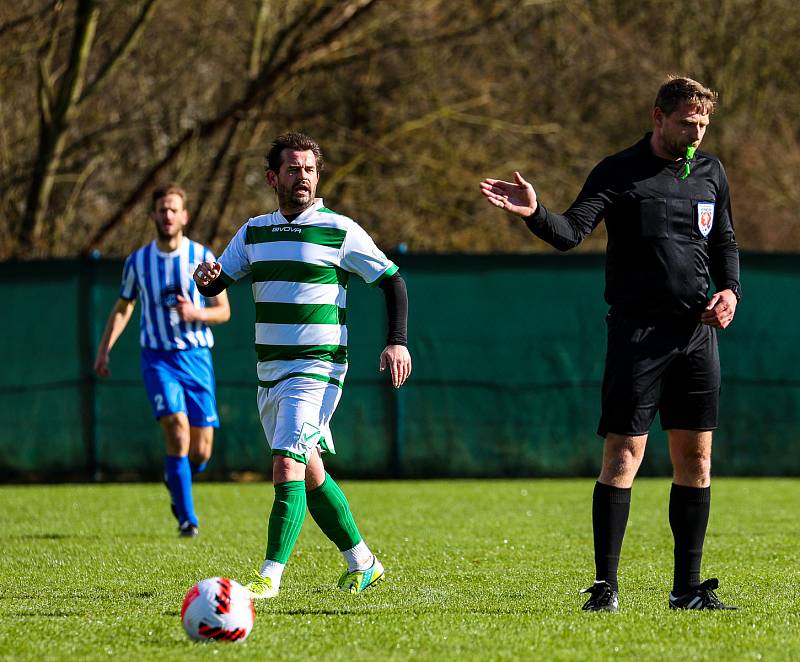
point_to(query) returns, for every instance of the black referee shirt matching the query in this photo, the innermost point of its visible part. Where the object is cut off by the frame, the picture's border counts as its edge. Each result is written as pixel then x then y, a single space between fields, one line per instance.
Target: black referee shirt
pixel 667 237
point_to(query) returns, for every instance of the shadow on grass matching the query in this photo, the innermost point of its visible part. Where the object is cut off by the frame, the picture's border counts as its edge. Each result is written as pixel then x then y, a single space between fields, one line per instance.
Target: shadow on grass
pixel 41 536
pixel 399 609
pixel 49 536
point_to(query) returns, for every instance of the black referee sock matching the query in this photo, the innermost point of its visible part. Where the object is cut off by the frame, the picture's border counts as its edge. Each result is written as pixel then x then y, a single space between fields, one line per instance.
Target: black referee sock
pixel 610 508
pixel 688 518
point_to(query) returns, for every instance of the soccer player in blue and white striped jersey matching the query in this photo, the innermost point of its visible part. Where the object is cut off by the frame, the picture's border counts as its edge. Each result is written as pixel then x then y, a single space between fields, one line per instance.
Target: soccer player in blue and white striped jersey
pixel 176 341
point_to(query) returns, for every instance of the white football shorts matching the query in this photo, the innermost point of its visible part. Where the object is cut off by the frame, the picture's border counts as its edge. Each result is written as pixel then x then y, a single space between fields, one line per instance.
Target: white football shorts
pixel 296 414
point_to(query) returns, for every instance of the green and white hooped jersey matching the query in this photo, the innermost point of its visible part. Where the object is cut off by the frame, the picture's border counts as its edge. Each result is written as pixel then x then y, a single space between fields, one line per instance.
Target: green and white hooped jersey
pixel 300 272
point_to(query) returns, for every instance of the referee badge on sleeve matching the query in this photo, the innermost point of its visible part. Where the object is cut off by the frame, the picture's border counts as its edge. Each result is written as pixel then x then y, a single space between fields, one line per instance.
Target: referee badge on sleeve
pixel 705 217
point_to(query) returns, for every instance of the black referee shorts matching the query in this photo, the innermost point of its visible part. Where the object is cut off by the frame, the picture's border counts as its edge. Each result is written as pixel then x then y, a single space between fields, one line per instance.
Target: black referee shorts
pixel 668 367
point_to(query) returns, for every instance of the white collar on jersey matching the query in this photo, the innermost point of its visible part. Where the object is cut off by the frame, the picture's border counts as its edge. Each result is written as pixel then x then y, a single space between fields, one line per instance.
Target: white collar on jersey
pixel 184 241
pixel 318 202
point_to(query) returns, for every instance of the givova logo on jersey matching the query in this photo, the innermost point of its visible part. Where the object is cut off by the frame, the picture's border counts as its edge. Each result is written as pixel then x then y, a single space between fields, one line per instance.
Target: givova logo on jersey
pixel 705 217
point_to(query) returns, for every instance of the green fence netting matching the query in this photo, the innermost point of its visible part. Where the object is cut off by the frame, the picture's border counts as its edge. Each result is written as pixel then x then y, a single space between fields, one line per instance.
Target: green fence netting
pixel 508 358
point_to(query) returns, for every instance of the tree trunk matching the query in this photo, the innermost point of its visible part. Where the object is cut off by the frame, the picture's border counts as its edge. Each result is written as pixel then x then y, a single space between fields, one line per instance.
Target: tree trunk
pixel 56 113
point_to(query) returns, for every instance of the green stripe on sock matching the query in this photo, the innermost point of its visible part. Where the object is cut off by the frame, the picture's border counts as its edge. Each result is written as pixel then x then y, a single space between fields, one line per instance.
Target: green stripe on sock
pixel 285 520
pixel 330 510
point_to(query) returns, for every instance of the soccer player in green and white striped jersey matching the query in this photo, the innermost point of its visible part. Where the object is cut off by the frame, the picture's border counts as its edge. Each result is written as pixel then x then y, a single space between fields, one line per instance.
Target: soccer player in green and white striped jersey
pixel 299 259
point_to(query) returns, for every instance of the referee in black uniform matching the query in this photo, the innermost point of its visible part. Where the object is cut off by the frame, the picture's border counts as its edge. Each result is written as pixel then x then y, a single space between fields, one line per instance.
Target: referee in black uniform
pixel 670 233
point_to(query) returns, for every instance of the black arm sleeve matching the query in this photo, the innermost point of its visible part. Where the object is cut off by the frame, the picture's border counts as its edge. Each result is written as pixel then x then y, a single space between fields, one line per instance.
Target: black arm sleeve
pixel 722 248
pixel 213 289
pixel 394 289
pixel 568 230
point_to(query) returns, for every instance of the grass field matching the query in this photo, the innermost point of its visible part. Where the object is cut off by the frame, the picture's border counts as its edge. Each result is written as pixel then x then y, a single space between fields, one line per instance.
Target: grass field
pixel 476 570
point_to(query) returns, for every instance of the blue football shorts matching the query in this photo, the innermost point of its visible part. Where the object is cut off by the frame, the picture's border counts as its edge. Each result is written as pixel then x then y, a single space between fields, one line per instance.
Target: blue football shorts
pixel 181 381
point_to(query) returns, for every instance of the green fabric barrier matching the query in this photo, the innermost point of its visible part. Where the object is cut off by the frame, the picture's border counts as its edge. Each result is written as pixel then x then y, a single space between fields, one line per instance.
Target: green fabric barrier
pixel 508 358
pixel 40 374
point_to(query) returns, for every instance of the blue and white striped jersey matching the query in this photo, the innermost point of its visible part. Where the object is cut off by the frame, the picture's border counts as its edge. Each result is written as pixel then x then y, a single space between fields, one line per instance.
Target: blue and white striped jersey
pixel 157 279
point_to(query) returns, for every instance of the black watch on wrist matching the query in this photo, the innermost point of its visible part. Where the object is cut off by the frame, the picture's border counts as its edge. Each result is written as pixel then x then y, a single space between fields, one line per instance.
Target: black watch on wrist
pixel 737 292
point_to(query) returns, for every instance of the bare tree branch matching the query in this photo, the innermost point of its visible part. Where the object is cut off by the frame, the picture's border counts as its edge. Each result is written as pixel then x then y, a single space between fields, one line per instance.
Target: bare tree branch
pixel 62 228
pixel 121 51
pixel 28 18
pixel 47 52
pixel 406 127
pixel 257 44
pixel 436 39
pixel 234 176
pixel 216 164
pixel 55 120
pixel 273 72
pixel 381 82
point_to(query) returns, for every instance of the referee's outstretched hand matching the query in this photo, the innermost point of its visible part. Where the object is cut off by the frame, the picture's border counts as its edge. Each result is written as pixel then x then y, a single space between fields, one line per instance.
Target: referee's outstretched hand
pixel 398 360
pixel 720 309
pixel 518 197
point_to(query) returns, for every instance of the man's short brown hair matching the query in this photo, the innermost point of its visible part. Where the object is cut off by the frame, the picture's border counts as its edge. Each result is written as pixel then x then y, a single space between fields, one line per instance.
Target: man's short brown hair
pixel 292 140
pixel 678 89
pixel 169 189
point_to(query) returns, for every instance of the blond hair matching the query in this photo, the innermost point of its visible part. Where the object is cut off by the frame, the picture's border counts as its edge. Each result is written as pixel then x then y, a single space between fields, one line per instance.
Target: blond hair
pixel 169 189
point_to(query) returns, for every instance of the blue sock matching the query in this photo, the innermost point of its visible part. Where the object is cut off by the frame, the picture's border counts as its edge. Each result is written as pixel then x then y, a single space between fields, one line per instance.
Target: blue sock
pixel 179 481
pixel 198 468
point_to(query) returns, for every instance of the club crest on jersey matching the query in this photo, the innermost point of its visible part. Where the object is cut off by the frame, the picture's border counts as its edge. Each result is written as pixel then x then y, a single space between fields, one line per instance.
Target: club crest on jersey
pixel 170 294
pixel 705 217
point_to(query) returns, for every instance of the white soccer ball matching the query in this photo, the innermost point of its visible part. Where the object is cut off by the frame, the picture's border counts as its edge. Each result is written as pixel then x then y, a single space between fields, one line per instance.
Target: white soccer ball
pixel 218 608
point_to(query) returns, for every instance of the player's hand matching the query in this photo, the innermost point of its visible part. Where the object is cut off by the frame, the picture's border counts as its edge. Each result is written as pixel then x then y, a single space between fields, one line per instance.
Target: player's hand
pixel 398 360
pixel 518 197
pixel 207 272
pixel 720 310
pixel 101 365
pixel 187 311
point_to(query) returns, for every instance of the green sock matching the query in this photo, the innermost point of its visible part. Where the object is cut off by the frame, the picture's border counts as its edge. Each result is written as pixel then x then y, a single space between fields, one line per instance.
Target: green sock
pixel 286 519
pixel 330 510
